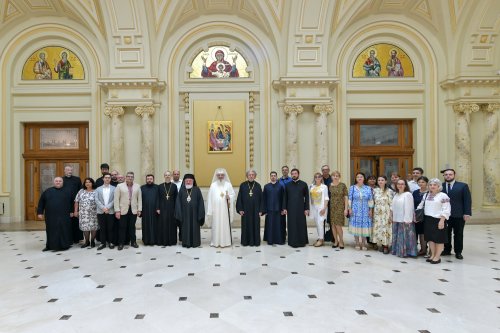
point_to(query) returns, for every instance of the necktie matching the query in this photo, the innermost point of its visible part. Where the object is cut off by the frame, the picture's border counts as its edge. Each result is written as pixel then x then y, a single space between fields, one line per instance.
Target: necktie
pixel 449 188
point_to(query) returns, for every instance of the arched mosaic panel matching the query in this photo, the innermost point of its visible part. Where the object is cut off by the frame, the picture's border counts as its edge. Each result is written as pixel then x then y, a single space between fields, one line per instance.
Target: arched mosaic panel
pixel 219 62
pixel 53 63
pixel 382 60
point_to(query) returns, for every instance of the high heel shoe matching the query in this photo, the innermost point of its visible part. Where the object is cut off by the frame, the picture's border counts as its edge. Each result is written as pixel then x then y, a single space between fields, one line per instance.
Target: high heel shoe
pixel 85 245
pixel 335 246
pixel 92 243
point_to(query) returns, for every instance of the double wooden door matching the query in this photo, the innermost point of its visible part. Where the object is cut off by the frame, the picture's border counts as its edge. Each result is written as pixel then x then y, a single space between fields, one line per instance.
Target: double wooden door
pixel 49 148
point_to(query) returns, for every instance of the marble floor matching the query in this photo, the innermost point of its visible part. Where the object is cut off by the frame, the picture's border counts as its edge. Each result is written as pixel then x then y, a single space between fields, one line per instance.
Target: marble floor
pixel 246 289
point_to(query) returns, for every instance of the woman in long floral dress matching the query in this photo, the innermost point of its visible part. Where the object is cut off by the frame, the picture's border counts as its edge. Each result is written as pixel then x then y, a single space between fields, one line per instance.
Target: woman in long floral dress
pixel 360 200
pixel 382 229
pixel 86 210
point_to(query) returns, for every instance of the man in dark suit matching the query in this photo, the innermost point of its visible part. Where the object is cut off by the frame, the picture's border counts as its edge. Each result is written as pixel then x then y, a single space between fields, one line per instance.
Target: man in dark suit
pixel 461 211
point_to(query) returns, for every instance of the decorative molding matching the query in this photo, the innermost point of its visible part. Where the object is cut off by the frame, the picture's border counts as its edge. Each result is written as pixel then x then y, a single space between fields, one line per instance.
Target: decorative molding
pixel 251 110
pixel 323 109
pixel 187 131
pixel 131 83
pixel 467 81
pixel 305 81
pixel 490 107
pixel 113 110
pixel 465 108
pixel 293 109
pixel 145 110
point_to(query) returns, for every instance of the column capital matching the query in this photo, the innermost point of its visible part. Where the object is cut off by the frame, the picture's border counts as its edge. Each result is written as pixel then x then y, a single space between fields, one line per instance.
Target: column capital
pixel 294 109
pixel 113 110
pixel 465 107
pixel 145 110
pixel 491 107
pixel 323 108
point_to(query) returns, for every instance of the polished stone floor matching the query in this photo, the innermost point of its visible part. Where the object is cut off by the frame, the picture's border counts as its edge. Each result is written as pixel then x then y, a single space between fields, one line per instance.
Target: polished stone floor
pixel 246 289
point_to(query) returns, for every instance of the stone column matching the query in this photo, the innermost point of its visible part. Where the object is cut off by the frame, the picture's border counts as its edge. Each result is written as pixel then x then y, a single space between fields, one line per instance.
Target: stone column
pixel 292 110
pixel 323 110
pixel 147 134
pixel 117 143
pixel 491 152
pixel 462 140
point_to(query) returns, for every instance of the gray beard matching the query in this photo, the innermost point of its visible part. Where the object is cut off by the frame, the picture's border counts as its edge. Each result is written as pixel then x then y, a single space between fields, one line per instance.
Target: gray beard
pixel 189 187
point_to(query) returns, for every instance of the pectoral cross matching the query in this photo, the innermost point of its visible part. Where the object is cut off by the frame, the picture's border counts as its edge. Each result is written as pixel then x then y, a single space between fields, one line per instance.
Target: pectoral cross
pixel 168 196
pixel 251 193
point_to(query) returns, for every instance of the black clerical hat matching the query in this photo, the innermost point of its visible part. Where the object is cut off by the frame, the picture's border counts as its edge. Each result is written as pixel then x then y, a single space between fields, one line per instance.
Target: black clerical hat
pixel 189 176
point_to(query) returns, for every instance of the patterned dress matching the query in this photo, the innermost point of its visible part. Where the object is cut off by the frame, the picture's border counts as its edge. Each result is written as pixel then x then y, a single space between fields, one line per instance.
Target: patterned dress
pixel 361 199
pixel 337 203
pixel 87 210
pixel 382 230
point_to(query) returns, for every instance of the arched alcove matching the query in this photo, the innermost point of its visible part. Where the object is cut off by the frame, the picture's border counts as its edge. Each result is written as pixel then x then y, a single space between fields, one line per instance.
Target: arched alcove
pixel 30 101
pixel 184 93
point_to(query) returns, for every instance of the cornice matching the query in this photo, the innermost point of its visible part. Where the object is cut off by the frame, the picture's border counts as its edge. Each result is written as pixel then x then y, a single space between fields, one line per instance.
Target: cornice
pixel 306 81
pixel 468 81
pixel 133 83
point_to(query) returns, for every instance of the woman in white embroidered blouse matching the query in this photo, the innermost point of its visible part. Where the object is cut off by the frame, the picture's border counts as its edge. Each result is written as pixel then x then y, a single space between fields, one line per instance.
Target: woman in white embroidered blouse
pixel 404 239
pixel 318 194
pixel 437 210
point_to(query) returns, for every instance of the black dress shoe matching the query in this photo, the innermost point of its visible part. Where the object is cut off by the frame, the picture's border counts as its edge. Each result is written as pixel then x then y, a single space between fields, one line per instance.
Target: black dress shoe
pixel 102 246
pixel 111 246
pixel 45 249
pixel 459 256
pixel 134 245
pixel 445 253
pixel 120 247
pixel 436 262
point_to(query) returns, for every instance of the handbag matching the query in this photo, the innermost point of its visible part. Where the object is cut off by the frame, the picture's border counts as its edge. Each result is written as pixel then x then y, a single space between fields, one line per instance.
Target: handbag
pixel 420 213
pixel 349 215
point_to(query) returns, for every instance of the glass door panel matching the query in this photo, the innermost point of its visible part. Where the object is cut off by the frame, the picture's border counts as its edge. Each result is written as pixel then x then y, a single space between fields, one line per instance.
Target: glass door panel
pixel 388 166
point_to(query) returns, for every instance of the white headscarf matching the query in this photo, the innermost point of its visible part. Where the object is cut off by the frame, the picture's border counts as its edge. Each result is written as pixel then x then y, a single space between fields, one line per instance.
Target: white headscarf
pixel 219 171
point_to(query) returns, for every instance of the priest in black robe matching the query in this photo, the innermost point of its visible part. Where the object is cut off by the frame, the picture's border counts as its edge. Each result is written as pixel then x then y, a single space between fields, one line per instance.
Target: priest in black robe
pixel 272 200
pixel 190 211
pixel 56 203
pixel 249 206
pixel 296 207
pixel 150 210
pixel 73 184
pixel 166 232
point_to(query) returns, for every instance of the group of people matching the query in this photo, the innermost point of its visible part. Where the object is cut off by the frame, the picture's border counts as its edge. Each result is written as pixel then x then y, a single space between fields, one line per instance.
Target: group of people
pixel 384 214
pixel 379 213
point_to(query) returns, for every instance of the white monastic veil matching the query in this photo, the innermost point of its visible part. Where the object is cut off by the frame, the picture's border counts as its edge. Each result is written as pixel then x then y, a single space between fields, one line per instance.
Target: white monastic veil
pixel 219 171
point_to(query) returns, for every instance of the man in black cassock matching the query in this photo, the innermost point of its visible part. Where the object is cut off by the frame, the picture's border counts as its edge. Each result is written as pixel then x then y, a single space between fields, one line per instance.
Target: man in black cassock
pixel 55 202
pixel 72 185
pixel 249 206
pixel 150 210
pixel 296 207
pixel 272 199
pixel 166 232
pixel 190 211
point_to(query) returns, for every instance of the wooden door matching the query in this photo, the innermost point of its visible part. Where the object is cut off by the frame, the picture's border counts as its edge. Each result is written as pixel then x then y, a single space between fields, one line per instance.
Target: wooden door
pixel 44 159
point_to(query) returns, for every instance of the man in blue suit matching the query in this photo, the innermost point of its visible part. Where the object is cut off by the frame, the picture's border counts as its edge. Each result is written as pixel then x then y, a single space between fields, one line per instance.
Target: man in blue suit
pixel 461 211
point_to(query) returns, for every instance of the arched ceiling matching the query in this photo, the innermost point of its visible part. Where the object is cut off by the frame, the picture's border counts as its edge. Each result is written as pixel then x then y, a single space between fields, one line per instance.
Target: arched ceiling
pixel 86 12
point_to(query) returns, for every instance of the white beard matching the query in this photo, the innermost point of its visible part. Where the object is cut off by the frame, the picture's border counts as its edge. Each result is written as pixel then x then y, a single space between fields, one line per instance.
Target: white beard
pixel 189 187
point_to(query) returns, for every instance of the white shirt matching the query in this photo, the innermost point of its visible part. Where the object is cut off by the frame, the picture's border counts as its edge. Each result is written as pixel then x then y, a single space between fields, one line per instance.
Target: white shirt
pixel 106 190
pixel 413 186
pixel 178 184
pixel 402 207
pixel 437 205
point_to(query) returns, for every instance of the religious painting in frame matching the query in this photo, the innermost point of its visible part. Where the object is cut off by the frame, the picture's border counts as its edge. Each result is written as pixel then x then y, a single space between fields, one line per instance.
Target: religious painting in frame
pixel 220 136
pixel 383 61
pixel 53 63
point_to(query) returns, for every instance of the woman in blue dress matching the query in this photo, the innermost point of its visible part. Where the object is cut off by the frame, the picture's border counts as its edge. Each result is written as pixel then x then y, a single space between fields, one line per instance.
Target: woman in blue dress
pixel 361 211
